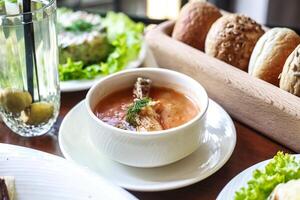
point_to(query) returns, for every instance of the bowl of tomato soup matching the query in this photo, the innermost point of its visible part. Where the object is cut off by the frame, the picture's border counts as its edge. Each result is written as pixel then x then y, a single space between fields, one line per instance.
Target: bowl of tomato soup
pixel 147 117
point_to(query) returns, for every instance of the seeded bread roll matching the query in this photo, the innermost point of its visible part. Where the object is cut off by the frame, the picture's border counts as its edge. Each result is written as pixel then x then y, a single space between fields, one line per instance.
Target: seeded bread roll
pixel 271 52
pixel 194 22
pixel 232 39
pixel 290 76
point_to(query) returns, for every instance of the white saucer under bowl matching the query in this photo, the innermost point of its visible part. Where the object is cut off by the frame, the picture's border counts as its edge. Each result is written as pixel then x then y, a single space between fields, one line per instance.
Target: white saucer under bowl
pixel 220 139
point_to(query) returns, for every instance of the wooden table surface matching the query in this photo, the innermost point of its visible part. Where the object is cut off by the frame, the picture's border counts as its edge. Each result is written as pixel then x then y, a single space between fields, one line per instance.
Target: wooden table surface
pixel 251 148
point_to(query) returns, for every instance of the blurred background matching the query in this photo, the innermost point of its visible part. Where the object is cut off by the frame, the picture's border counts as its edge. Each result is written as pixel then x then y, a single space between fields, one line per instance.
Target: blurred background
pixel 269 12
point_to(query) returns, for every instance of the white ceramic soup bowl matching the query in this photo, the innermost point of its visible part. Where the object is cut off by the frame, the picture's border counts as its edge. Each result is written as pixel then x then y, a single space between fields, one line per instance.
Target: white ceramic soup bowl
pixel 147 149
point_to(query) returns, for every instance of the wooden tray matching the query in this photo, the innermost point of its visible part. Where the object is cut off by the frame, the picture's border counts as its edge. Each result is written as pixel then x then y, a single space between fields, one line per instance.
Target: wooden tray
pixel 262 106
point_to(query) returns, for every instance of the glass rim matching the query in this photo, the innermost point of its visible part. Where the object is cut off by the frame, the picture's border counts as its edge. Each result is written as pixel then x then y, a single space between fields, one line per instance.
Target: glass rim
pixel 45 6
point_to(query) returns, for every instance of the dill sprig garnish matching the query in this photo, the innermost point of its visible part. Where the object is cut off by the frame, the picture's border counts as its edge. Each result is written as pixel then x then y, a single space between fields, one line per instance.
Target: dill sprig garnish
pixel 134 110
pixel 80 26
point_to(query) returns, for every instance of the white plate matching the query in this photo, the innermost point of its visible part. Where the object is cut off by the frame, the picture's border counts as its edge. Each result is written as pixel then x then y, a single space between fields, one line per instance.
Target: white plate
pixel 241 180
pixel 78 85
pixel 42 176
pixel 219 143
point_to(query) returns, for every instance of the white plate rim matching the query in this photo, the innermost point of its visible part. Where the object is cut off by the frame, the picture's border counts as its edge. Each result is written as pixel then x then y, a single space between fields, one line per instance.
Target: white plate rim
pixel 80 85
pixel 47 157
pixel 159 188
pixel 224 192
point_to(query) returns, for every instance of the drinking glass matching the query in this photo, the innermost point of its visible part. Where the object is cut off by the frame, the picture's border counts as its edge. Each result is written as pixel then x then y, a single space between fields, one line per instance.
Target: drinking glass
pixel 29 94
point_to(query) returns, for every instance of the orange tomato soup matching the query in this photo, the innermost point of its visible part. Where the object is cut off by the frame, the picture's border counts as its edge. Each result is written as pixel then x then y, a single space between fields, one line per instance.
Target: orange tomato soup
pixel 175 108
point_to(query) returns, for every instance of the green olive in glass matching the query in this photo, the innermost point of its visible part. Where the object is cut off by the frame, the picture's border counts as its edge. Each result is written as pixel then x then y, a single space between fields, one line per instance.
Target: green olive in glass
pixel 29 102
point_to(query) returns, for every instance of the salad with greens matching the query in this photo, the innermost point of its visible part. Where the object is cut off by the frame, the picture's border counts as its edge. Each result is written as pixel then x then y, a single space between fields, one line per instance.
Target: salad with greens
pixel 280 179
pixel 91 46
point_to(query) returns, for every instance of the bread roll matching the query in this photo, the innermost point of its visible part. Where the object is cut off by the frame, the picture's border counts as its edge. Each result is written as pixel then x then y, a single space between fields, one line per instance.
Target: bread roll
pixel 232 39
pixel 271 52
pixel 290 76
pixel 195 20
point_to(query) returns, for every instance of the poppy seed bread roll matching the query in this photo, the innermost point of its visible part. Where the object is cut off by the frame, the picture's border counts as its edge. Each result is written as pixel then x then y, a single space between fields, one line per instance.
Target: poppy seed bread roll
pixel 232 39
pixel 194 22
pixel 290 76
pixel 271 52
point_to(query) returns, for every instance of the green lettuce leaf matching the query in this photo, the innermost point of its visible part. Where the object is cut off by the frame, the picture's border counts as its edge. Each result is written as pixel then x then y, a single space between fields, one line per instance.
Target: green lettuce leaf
pixel 2 4
pixel 281 169
pixel 126 38
pixel 76 71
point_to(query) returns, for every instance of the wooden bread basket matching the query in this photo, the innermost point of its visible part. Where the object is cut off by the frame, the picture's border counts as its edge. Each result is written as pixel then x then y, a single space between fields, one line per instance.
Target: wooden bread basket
pixel 262 106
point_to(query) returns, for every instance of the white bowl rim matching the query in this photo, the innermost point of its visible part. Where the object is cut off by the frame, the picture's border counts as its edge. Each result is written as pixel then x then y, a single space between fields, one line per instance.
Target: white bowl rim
pixel 199 116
